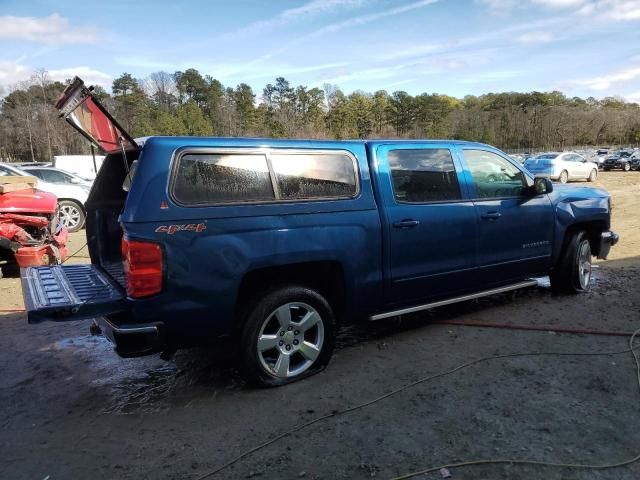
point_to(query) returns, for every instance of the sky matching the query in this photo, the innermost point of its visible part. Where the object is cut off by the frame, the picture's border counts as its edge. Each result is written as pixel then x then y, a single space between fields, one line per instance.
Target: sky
pixel 455 47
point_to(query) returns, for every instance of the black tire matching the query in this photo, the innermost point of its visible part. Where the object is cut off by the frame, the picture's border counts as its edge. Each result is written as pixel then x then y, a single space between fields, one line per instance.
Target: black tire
pixel 567 276
pixel 564 177
pixel 66 207
pixel 262 312
pixel 593 175
pixel 626 167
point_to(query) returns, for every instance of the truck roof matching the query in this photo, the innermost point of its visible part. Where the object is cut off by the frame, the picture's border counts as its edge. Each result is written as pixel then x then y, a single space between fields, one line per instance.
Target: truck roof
pixel 307 143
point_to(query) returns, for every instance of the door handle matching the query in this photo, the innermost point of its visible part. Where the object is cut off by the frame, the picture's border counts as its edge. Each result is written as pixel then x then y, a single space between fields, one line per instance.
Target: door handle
pixel 491 216
pixel 406 223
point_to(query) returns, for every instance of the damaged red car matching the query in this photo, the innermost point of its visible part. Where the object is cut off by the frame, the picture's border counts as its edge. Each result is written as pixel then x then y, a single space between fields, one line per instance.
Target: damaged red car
pixel 30 231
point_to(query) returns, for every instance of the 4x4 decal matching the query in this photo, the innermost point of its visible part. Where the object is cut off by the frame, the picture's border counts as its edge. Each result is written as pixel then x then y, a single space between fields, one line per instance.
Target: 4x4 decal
pixel 189 227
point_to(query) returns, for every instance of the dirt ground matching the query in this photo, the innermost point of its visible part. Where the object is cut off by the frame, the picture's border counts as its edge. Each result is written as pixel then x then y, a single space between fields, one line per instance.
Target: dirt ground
pixel 70 408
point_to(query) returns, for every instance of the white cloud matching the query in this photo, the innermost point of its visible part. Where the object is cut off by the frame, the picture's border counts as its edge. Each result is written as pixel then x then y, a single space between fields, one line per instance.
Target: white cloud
pixel 291 15
pixel 633 97
pixel 605 82
pixel 448 63
pixel 499 6
pixel 613 9
pixel 12 73
pixel 317 6
pixel 493 76
pixel 352 22
pixel 535 37
pixel 284 71
pixel 53 30
pixel 88 74
pixel 603 9
pixel 558 3
pixel 364 19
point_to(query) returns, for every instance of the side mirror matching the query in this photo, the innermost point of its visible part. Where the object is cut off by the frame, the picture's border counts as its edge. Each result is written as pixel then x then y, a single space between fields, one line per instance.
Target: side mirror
pixel 542 185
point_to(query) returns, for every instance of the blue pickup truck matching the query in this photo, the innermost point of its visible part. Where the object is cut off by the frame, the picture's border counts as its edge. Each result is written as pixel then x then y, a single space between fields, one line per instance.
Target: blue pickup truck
pixel 275 242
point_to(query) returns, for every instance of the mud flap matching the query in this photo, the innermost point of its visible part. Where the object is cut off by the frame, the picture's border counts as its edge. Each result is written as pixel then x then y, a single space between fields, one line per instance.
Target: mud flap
pixel 69 292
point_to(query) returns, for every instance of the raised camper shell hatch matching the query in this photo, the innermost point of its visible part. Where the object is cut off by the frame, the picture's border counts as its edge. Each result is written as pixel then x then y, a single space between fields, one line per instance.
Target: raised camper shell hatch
pixel 85 113
pixel 73 292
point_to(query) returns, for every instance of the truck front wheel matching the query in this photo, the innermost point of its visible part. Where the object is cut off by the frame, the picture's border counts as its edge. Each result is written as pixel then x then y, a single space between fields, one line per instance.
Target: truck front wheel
pixel 289 334
pixel 573 272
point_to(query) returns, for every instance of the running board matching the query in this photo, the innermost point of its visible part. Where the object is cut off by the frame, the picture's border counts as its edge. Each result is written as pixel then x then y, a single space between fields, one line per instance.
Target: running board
pixel 449 301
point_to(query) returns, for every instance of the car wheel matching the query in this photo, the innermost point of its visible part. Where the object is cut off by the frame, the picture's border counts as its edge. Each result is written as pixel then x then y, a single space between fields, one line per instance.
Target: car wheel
pixel 564 177
pixel 626 167
pixel 573 272
pixel 289 334
pixel 593 175
pixel 71 215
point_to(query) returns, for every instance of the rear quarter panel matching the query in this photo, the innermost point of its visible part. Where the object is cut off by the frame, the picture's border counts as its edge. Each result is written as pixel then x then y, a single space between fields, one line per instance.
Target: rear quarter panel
pixel 204 269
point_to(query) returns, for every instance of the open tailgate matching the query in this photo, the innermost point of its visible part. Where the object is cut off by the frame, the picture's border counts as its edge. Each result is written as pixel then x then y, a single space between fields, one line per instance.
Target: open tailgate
pixel 69 292
pixel 85 113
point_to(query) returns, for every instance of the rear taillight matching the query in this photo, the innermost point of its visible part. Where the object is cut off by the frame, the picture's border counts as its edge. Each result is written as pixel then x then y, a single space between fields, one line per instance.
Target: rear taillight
pixel 142 267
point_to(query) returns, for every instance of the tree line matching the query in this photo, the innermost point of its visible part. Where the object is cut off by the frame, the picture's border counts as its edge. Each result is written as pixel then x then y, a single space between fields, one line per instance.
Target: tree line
pixel 189 103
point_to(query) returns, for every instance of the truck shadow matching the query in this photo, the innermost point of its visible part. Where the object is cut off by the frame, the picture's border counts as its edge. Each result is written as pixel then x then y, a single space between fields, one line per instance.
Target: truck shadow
pixel 215 368
pixel 149 384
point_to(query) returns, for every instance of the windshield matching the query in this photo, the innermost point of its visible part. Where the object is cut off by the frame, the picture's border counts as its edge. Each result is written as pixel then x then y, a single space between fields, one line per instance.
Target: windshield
pixel 547 156
pixel 8 171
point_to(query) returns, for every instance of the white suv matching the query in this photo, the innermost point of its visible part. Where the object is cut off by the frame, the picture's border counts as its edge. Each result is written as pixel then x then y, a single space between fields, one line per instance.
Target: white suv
pixel 71 198
pixel 563 167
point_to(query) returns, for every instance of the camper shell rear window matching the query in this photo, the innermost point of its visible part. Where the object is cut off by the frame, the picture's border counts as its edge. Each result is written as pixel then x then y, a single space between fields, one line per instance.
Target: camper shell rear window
pixel 219 177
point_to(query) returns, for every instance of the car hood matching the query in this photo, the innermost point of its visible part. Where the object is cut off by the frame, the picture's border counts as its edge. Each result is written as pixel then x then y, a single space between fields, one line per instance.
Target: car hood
pixel 574 204
pixel 29 200
pixel 570 193
pixel 71 192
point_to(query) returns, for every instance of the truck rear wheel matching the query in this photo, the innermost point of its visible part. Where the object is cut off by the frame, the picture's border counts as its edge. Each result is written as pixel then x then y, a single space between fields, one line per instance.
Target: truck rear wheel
pixel 288 334
pixel 573 272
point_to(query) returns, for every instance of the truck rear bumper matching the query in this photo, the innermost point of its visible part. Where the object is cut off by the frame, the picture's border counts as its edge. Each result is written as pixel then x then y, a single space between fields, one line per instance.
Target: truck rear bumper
pixel 134 340
pixel 607 240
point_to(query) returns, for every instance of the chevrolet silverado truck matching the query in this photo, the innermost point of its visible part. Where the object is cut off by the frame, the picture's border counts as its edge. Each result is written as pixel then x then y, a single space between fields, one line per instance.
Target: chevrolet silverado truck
pixel 274 242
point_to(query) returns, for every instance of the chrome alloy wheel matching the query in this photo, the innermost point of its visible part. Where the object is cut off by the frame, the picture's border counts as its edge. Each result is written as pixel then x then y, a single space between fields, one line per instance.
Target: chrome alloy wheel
pixel 70 216
pixel 584 264
pixel 564 177
pixel 290 339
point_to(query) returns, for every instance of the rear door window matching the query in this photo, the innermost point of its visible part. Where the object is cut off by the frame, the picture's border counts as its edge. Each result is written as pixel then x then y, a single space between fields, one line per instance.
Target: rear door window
pixel 222 178
pixel 423 175
pixel 314 175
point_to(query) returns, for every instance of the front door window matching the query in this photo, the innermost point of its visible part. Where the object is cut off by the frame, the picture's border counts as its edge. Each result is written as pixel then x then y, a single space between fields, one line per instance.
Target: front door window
pixel 494 176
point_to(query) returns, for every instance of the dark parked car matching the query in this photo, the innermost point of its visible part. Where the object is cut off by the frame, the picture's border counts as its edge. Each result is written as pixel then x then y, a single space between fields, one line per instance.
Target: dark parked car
pixel 272 243
pixel 618 160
